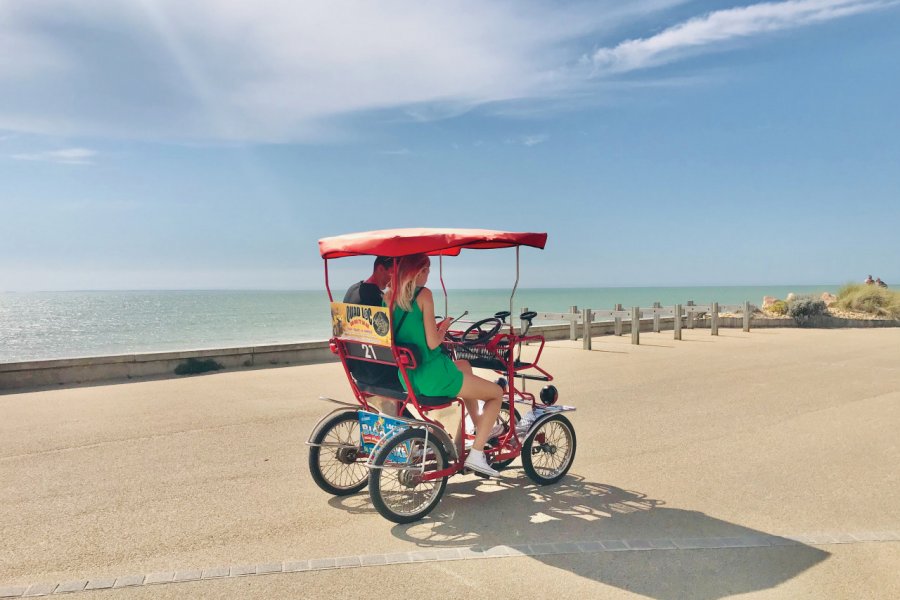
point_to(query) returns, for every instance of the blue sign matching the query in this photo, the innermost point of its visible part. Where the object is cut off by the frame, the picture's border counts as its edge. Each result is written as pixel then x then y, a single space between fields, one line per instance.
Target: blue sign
pixel 373 427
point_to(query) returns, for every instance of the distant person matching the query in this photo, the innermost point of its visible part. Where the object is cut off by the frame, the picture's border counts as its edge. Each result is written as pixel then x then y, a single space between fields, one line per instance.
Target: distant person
pixel 370 293
pixel 880 283
pixel 869 280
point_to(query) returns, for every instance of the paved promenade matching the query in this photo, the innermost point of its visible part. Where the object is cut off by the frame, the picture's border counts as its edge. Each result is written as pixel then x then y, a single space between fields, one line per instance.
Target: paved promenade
pixel 763 464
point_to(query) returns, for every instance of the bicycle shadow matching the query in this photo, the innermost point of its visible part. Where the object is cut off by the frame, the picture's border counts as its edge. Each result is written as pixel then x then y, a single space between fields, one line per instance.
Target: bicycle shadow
pixel 575 510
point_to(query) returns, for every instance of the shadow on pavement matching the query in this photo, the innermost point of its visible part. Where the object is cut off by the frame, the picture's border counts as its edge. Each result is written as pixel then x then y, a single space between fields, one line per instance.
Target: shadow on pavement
pixel 514 511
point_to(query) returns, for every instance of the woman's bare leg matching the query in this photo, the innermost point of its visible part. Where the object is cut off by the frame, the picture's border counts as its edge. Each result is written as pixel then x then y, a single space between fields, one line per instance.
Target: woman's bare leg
pixel 475 388
pixel 471 405
pixel 464 366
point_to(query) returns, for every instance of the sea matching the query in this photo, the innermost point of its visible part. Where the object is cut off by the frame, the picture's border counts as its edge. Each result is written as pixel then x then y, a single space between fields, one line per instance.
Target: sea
pixel 47 325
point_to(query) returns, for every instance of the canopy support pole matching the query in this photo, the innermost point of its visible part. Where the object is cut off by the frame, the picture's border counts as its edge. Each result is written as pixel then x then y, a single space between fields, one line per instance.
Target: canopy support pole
pixel 513 295
pixel 327 287
pixel 443 287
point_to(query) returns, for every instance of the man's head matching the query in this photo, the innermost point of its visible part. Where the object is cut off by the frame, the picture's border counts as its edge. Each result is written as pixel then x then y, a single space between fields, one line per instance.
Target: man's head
pixel 381 271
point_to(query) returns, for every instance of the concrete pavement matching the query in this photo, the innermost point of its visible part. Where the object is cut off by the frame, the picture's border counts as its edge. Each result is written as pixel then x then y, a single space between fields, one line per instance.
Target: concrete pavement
pixel 753 436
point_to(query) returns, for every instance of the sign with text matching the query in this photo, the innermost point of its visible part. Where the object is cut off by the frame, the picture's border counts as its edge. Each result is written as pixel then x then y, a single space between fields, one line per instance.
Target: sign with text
pixel 374 427
pixel 361 323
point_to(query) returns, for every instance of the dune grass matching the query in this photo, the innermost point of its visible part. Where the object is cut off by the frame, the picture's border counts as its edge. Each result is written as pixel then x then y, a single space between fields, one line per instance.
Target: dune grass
pixel 869 299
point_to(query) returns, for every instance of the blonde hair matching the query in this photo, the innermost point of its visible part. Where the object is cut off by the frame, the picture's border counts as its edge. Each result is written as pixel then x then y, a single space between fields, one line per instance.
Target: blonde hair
pixel 408 270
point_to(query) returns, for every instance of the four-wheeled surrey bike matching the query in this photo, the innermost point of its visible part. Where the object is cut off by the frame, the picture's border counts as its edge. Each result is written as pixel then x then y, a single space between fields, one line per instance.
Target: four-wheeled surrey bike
pixel 406 460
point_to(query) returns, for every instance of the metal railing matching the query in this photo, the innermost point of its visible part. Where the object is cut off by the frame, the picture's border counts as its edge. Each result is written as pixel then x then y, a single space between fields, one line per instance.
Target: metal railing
pixel 580 321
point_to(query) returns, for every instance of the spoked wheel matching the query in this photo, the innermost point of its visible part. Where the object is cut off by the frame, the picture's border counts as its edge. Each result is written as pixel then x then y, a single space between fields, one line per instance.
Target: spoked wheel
pixel 338 466
pixel 549 450
pixel 395 480
pixel 503 418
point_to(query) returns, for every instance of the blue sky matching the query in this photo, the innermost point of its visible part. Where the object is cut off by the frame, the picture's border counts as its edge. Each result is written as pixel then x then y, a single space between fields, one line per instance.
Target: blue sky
pixel 175 145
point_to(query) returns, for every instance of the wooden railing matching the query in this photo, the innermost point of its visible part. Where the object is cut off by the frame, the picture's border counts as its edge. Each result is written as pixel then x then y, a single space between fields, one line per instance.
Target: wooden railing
pixel 682 316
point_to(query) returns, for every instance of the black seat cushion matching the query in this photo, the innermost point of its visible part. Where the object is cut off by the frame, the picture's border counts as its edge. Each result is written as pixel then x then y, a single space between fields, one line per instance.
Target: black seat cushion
pixel 398 393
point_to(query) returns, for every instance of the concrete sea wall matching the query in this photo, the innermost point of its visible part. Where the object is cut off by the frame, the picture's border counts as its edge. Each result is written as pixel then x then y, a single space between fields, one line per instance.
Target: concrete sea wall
pixel 24 376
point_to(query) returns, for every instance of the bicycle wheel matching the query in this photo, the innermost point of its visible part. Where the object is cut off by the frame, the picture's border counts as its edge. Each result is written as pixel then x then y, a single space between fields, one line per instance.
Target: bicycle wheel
pixel 339 467
pixel 395 480
pixel 549 450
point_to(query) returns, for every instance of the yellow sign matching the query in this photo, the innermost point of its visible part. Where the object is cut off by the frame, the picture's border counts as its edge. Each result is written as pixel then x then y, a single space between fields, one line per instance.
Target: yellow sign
pixel 361 323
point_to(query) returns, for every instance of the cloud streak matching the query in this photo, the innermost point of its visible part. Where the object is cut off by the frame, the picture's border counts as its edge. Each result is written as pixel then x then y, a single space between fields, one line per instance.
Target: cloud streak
pixel 529 140
pixel 279 70
pixel 67 156
pixel 709 32
pixel 286 71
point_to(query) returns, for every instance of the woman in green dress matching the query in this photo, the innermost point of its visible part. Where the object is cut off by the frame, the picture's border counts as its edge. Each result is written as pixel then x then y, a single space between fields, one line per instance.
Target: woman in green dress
pixel 436 374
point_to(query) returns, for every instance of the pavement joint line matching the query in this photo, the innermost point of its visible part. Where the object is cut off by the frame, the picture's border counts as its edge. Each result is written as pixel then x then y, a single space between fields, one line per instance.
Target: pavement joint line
pixel 478 552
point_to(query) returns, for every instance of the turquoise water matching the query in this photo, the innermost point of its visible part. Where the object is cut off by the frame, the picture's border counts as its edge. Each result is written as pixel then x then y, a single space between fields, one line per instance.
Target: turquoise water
pixel 43 325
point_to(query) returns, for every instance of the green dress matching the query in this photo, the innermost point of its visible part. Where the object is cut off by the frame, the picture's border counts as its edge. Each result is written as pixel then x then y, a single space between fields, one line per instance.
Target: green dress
pixel 435 375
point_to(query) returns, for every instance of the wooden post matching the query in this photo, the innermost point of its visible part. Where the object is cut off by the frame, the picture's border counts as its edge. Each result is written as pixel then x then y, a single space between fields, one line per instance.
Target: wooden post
pixel 747 316
pixel 677 321
pixel 656 317
pixel 573 324
pixel 586 317
pixel 690 323
pixel 617 324
pixel 714 323
pixel 635 325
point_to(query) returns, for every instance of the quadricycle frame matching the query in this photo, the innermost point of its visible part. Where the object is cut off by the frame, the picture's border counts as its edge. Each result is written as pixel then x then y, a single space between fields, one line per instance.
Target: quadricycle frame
pixel 406 457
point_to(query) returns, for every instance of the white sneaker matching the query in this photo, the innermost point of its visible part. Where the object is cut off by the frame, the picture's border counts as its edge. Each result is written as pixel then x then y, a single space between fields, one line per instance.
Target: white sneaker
pixel 478 463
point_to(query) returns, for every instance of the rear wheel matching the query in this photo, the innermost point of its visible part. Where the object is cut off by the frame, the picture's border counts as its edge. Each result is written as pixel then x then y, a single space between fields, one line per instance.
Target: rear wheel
pixel 338 465
pixel 549 450
pixel 395 479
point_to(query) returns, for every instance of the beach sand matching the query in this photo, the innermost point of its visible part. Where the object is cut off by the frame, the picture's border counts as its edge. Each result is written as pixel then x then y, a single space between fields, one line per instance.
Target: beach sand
pixel 744 436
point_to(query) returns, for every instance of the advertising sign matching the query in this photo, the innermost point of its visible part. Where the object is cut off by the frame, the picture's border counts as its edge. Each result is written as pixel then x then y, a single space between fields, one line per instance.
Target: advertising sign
pixel 373 427
pixel 361 323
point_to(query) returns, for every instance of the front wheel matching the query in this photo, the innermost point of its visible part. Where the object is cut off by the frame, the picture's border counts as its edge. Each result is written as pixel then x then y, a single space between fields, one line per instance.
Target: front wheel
pixel 549 450
pixel 338 464
pixel 395 479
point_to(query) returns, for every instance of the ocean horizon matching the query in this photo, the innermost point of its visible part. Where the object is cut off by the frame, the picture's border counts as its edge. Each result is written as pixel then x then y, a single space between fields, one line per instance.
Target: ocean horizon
pixel 70 324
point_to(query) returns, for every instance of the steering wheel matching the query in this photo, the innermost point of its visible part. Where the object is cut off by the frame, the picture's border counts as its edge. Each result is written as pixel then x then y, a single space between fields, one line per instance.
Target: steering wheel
pixel 480 330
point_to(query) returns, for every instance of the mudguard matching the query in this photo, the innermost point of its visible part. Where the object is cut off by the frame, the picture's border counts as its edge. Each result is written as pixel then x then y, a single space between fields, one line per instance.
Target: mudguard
pixel 326 418
pixel 546 413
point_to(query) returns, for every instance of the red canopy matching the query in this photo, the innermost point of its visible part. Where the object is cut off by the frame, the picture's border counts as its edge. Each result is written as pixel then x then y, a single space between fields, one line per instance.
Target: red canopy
pixel 403 242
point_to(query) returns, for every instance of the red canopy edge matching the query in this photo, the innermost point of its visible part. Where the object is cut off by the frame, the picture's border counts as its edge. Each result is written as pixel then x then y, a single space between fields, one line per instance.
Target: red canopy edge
pixel 403 242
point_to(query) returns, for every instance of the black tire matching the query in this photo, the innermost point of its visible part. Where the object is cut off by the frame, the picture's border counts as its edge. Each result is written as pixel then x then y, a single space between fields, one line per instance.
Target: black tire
pixel 541 447
pixel 339 471
pixel 389 487
pixel 500 465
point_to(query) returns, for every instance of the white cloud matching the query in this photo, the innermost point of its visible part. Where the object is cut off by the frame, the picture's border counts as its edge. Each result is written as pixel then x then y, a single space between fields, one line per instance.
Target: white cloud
pixel 67 156
pixel 529 140
pixel 396 152
pixel 719 27
pixel 280 70
pixel 204 71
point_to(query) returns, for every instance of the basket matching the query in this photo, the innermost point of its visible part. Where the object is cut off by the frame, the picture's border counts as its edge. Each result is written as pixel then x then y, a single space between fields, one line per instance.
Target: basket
pixel 481 357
